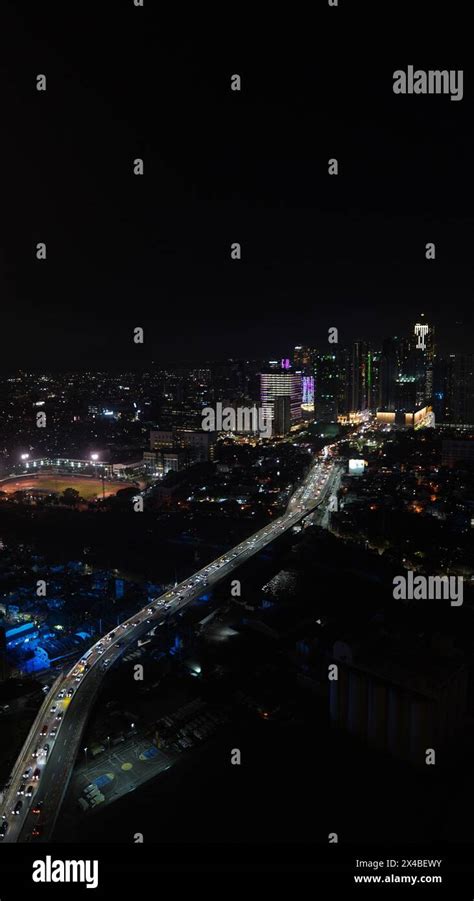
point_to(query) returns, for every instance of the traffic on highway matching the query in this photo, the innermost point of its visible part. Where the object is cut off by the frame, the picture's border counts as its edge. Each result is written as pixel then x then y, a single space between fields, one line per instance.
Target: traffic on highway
pixel 37 785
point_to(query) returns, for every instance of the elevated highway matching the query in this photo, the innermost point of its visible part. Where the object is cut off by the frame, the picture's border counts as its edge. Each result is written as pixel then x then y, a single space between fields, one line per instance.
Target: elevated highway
pixel 44 766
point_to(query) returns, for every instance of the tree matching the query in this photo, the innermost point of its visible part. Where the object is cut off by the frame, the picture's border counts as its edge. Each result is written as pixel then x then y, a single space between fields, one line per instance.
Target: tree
pixel 71 497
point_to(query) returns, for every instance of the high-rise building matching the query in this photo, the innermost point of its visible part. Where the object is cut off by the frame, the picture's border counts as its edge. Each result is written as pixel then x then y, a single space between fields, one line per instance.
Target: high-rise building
pixel 326 386
pixel 181 447
pixel 406 378
pixel 404 394
pixel 440 377
pixel 308 391
pixel 361 370
pixel 282 415
pixel 398 379
pixel 423 353
pixel 344 388
pixel 281 383
pixel 303 362
pixel 373 379
pixel 460 388
pixel 388 373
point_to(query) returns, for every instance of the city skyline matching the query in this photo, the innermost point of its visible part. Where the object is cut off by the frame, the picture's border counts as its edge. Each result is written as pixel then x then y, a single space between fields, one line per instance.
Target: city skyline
pixel 451 339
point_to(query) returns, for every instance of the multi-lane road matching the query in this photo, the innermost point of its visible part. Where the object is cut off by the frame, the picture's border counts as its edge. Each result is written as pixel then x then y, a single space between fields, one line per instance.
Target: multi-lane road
pixel 41 775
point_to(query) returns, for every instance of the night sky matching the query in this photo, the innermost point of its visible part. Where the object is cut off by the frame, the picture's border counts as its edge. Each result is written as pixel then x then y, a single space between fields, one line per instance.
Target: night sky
pixel 222 166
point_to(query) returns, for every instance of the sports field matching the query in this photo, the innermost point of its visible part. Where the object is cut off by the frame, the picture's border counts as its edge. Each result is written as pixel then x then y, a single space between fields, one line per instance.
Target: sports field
pixel 49 482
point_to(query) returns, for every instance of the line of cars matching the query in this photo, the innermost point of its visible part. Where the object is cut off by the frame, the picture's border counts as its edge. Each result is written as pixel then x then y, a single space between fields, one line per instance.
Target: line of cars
pixel 32 774
pixel 27 792
pixel 23 791
pixel 41 752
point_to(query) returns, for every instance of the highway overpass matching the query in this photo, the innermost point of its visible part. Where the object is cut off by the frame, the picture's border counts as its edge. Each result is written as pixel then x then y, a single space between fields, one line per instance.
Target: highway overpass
pixel 43 769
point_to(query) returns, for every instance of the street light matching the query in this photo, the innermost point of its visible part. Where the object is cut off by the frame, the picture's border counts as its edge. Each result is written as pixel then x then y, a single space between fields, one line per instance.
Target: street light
pixel 85 752
pixel 25 456
pixel 94 458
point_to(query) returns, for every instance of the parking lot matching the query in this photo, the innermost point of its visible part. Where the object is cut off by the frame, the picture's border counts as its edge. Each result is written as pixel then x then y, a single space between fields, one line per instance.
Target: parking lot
pixel 127 765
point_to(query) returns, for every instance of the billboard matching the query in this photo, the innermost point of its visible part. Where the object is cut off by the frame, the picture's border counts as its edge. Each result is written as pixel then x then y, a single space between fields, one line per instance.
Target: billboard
pixel 356 467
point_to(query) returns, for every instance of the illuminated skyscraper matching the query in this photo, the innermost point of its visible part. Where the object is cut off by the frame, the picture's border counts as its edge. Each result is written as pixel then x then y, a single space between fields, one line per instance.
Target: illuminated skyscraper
pixel 308 390
pixel 423 354
pixel 282 383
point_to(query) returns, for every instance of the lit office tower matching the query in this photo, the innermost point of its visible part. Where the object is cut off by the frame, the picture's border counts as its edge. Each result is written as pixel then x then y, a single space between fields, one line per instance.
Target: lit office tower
pixel 308 391
pixel 326 386
pixel 423 352
pixel 281 383
pixel 361 370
